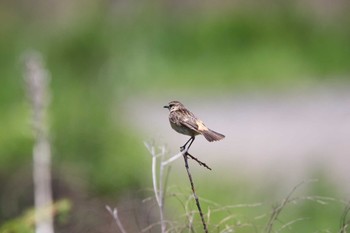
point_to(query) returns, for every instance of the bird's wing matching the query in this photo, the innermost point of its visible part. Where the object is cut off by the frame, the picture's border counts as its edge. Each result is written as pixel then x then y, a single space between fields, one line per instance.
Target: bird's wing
pixel 194 124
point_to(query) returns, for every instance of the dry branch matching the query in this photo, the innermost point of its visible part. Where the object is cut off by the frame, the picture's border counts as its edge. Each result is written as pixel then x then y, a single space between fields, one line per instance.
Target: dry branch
pixel 37 79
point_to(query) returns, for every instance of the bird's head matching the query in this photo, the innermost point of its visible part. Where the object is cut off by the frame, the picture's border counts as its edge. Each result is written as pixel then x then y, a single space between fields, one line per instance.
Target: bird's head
pixel 174 105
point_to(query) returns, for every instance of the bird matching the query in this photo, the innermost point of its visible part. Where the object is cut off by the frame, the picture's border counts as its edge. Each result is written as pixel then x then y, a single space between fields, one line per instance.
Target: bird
pixel 185 122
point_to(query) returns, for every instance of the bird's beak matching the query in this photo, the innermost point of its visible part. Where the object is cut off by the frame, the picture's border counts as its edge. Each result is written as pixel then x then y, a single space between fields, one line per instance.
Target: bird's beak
pixel 166 107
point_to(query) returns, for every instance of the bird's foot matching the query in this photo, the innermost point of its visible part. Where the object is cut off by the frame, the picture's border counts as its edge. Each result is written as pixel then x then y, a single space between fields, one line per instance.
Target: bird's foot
pixel 182 148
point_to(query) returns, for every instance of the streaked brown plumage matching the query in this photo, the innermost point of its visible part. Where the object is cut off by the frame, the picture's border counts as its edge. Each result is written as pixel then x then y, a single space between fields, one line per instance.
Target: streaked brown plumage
pixel 185 122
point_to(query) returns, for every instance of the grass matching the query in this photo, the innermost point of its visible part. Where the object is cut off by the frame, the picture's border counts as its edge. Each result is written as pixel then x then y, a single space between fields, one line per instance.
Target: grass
pixel 306 207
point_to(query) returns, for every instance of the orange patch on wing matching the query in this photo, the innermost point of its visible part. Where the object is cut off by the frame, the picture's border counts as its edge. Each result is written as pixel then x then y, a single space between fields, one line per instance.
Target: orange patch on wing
pixel 201 126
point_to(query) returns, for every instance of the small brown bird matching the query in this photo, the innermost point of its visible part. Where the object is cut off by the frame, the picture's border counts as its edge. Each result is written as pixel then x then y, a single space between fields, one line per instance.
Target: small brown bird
pixel 185 122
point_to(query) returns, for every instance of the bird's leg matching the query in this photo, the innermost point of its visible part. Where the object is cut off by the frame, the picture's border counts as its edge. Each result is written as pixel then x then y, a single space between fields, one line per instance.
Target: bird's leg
pixel 189 140
pixel 190 143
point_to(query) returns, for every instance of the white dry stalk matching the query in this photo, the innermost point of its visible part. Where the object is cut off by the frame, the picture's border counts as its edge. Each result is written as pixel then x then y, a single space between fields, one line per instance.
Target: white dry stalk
pixel 37 79
pixel 115 215
pixel 208 216
pixel 228 207
pixel 189 213
pixel 158 194
pixel 288 224
pixel 228 218
pixel 190 221
pixel 227 230
pixel 172 159
pixel 158 187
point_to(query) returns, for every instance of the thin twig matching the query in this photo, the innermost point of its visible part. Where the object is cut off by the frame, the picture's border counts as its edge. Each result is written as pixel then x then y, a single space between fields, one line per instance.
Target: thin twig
pixel 185 154
pixel 198 161
pixel 276 211
pixel 114 214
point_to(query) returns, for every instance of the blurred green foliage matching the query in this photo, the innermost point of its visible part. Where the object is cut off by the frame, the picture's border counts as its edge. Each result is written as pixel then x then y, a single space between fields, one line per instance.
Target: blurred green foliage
pixel 25 222
pixel 102 53
pixel 245 207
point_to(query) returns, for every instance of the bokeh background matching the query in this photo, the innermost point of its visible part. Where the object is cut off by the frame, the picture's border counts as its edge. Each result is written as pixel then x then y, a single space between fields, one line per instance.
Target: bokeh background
pixel 273 76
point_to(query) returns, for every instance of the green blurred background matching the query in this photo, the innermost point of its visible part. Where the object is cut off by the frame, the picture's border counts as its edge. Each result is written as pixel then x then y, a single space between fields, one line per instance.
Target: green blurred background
pixel 102 53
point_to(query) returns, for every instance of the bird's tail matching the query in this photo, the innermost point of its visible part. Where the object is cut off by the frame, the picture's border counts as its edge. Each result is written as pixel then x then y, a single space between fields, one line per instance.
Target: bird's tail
pixel 211 135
